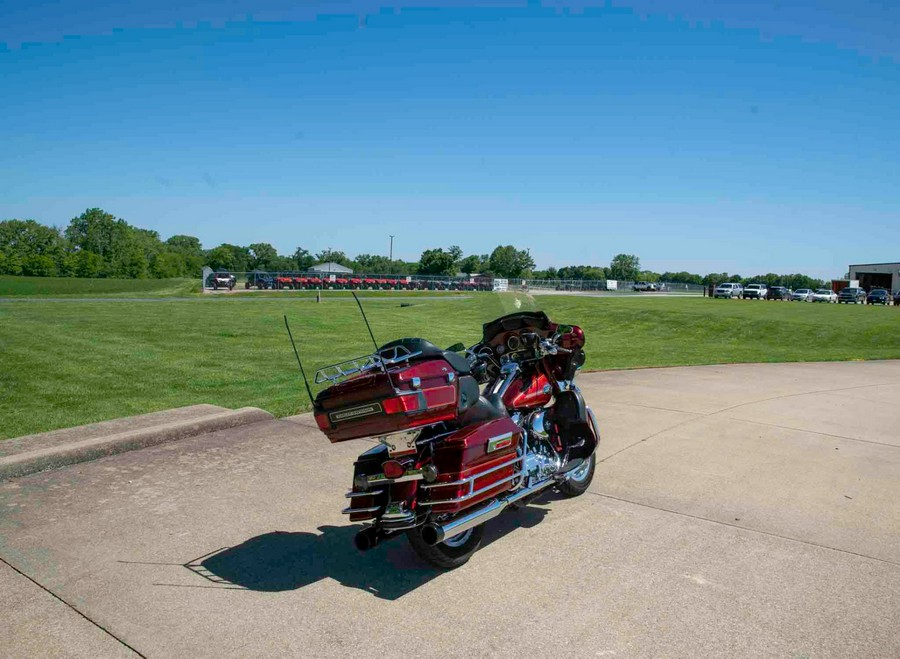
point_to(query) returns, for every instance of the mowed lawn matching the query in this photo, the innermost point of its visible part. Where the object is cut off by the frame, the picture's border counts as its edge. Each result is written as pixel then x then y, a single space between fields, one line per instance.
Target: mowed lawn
pixel 73 362
pixel 77 287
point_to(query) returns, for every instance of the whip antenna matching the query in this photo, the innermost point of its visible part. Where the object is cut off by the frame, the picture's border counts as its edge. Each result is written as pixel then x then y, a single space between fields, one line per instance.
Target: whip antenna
pixel 365 319
pixel 299 363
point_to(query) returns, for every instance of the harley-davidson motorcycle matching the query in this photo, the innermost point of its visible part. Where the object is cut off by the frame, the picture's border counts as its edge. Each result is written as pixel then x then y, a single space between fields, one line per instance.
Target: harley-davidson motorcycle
pixel 464 434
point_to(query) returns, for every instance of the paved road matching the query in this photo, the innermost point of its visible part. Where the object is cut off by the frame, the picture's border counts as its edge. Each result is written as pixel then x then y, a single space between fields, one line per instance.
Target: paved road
pixel 746 510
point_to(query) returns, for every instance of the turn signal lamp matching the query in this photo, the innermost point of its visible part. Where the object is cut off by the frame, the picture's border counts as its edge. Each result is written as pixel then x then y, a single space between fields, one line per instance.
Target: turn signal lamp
pixel 393 469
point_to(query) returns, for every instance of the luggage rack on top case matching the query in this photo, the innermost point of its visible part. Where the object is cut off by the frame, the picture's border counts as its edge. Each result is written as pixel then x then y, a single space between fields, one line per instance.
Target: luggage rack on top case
pixel 378 360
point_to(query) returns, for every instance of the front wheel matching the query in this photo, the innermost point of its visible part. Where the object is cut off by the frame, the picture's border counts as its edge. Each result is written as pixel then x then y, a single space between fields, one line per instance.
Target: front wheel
pixel 579 479
pixel 452 552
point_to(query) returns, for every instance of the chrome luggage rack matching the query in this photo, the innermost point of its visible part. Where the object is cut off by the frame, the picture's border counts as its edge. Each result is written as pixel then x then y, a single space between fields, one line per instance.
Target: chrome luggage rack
pixel 470 482
pixel 379 360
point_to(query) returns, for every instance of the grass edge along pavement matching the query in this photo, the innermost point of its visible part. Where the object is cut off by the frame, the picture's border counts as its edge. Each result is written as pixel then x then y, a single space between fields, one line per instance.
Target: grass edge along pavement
pixel 69 364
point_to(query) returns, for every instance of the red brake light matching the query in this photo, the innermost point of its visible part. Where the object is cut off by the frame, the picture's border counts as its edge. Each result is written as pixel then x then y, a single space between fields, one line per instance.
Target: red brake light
pixel 401 404
pixel 393 469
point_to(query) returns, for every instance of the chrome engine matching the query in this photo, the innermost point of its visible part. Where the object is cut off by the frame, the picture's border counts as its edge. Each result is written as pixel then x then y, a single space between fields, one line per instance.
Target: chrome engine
pixel 541 460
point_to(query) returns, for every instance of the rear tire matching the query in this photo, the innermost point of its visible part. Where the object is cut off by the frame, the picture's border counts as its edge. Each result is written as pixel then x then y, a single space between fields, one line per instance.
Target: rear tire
pixel 443 555
pixel 580 480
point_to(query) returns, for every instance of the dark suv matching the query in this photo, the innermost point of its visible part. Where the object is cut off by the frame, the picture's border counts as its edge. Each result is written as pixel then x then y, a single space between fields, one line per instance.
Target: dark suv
pixel 852 295
pixel 778 293
pixel 878 296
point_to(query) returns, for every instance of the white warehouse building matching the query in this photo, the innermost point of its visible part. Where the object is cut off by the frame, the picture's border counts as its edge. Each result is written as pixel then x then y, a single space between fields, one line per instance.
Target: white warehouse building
pixel 877 275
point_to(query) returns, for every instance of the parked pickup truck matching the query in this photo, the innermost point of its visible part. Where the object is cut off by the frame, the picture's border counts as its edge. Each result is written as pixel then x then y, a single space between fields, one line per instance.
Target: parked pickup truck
pixel 644 286
pixel 852 295
pixel 755 292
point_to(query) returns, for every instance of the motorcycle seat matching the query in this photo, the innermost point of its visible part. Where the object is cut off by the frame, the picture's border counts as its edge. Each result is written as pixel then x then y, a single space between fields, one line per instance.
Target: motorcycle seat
pixel 482 411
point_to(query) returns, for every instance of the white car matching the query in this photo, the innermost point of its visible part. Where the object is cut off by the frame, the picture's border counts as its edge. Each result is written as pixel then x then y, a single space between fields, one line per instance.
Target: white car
pixel 644 286
pixel 802 295
pixel 824 295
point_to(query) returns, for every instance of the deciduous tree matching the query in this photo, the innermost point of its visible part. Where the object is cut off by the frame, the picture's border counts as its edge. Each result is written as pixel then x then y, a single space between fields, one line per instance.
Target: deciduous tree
pixel 624 267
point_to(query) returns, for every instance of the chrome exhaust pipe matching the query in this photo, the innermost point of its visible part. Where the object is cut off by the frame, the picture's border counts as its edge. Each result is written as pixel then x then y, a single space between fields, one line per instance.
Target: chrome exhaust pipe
pixel 434 534
pixel 366 539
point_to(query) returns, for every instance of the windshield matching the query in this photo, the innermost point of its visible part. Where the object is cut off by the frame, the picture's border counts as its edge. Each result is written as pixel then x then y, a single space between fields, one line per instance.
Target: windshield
pixel 823 291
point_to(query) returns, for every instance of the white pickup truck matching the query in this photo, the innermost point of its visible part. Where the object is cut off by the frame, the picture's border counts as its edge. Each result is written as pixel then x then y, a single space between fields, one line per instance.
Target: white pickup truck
pixel 644 286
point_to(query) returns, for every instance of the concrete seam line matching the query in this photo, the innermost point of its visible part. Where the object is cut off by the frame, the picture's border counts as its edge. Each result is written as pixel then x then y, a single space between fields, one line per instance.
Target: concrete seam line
pixel 815 432
pixel 745 528
pixel 14 466
pixel 72 607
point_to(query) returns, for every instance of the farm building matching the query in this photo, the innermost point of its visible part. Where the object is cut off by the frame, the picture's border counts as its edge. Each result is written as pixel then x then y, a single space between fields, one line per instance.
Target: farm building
pixel 876 275
pixel 329 268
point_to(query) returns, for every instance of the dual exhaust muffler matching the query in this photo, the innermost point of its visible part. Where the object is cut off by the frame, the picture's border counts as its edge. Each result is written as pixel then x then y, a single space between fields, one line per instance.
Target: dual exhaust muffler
pixel 436 533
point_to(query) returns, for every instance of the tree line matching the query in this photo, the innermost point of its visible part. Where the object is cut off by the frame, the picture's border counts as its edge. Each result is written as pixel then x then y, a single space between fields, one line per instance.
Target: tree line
pixel 98 244
pixel 626 267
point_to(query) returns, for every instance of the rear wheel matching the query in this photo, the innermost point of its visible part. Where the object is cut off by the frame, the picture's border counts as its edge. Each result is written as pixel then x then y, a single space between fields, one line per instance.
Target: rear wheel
pixel 452 552
pixel 579 479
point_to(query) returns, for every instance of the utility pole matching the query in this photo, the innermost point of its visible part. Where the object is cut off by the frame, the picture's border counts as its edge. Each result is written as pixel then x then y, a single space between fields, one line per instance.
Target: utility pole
pixel 391 257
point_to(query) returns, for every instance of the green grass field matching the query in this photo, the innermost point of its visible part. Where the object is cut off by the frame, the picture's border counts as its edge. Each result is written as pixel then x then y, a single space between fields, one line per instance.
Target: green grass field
pixel 65 363
pixel 76 287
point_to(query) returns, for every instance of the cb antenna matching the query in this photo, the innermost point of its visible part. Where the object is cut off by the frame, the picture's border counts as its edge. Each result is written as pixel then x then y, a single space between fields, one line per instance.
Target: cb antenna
pixel 374 342
pixel 299 363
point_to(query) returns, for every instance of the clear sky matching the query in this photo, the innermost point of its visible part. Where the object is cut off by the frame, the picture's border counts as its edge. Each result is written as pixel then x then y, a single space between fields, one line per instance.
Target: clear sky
pixel 701 136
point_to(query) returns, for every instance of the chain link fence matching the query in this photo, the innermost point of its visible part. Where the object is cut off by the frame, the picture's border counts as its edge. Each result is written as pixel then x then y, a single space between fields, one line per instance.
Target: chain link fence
pixel 610 286
pixel 260 280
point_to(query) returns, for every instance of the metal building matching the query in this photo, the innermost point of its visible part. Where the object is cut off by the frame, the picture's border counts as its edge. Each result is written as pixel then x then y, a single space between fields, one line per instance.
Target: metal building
pixel 329 268
pixel 877 275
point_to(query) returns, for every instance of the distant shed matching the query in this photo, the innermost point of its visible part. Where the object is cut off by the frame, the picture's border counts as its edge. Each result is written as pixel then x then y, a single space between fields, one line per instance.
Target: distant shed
pixel 876 275
pixel 329 269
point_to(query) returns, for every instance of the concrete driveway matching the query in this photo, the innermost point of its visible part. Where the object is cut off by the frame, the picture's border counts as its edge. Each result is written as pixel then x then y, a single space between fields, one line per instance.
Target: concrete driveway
pixel 747 510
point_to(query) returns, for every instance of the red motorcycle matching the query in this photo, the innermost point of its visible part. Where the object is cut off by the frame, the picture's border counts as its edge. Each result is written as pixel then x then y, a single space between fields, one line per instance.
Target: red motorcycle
pixel 464 434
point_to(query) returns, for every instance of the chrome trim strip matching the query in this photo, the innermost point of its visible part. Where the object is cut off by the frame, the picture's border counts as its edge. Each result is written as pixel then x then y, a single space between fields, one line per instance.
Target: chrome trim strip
pixel 472 493
pixel 392 529
pixel 381 479
pixel 371 493
pixel 350 511
pixel 472 478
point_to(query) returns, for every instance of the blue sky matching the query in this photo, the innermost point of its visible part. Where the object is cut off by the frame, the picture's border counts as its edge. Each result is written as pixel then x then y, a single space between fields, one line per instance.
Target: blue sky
pixel 748 137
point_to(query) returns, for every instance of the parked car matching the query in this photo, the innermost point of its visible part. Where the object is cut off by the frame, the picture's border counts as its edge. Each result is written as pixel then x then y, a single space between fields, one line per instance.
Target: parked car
pixel 802 295
pixel 779 293
pixel 262 280
pixel 755 292
pixel 644 286
pixel 879 296
pixel 730 290
pixel 852 295
pixel 897 298
pixel 824 295
pixel 221 279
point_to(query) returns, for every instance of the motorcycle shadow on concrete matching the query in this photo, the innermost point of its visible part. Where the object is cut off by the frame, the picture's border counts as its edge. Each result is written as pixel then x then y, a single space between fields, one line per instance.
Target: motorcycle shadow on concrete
pixel 283 560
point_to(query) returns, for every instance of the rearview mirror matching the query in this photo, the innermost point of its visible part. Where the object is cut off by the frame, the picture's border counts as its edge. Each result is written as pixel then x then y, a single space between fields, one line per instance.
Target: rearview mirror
pixel 457 347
